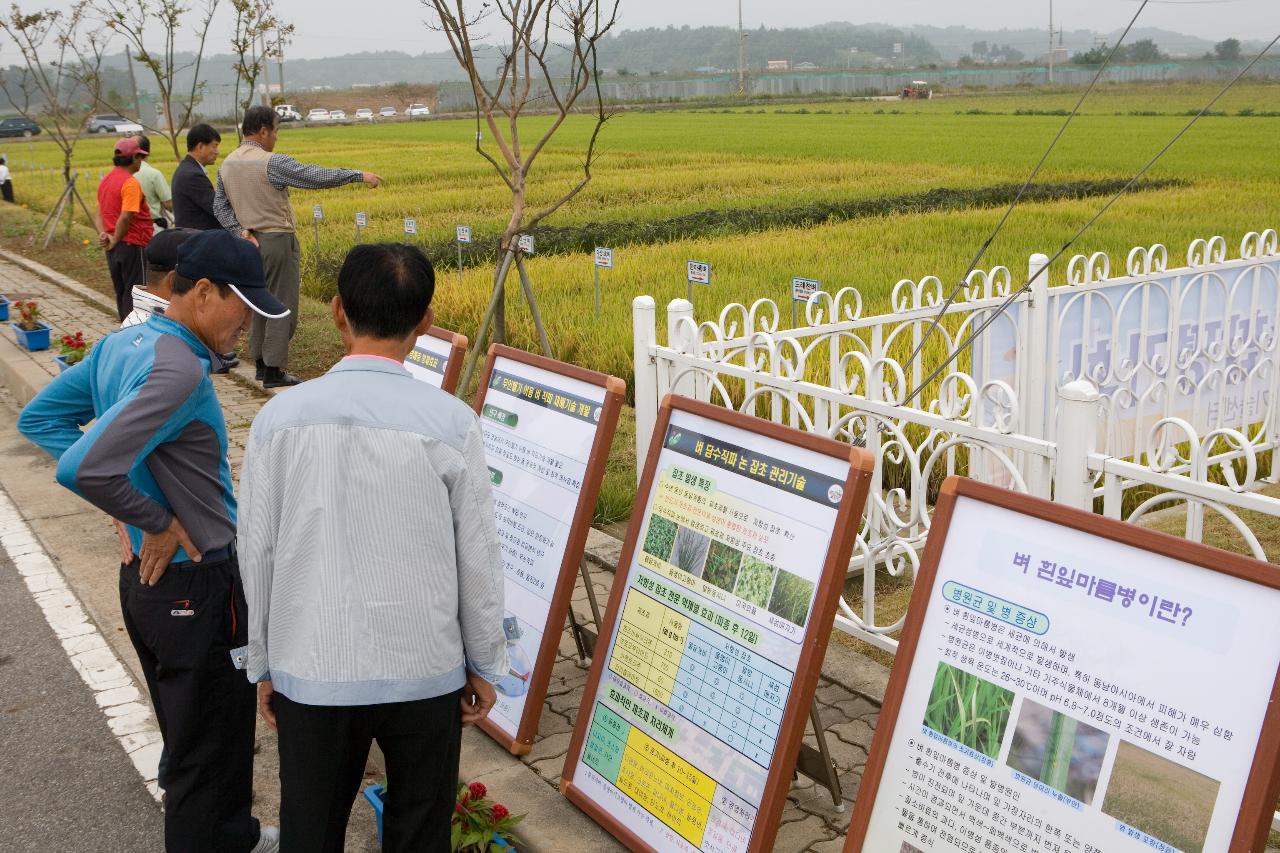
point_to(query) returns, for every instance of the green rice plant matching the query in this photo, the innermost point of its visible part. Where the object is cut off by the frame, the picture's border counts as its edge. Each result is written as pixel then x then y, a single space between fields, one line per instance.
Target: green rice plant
pixel 722 565
pixel 755 581
pixel 791 597
pixel 690 551
pixel 1056 768
pixel 660 537
pixel 968 709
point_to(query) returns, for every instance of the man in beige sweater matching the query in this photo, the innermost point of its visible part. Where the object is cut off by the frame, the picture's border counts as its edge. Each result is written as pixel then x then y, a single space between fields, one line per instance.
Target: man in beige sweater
pixel 252 200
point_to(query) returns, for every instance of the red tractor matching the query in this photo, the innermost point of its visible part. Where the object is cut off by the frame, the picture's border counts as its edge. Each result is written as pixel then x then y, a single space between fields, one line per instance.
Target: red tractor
pixel 918 90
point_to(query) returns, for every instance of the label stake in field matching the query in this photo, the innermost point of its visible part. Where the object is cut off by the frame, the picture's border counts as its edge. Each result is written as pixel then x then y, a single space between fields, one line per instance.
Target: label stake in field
pixel 410 228
pixel 463 236
pixel 802 290
pixel 699 273
pixel 316 215
pixel 604 259
pixel 362 220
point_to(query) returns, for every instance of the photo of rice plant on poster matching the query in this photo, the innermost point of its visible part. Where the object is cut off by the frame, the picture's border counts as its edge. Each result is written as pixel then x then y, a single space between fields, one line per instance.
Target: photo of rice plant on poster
pixel 970 710
pixel 1060 751
pixel 1163 799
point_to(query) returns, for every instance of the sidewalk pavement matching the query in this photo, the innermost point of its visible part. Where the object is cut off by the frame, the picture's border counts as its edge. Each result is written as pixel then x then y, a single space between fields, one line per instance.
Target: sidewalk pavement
pixel 81 541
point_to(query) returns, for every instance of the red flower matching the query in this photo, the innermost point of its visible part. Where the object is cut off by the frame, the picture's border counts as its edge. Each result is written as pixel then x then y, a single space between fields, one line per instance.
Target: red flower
pixel 499 811
pixel 477 790
pixel 459 809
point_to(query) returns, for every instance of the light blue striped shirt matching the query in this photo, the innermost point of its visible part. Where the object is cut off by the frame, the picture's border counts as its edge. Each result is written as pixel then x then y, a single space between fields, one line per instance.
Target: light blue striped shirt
pixel 368 549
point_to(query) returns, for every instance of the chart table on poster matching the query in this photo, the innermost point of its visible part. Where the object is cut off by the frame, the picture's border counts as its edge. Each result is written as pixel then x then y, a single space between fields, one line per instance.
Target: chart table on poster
pixel 726 689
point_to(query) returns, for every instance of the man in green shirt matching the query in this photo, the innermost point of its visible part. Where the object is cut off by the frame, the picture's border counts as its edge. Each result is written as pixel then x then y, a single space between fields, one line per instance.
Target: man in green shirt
pixel 155 186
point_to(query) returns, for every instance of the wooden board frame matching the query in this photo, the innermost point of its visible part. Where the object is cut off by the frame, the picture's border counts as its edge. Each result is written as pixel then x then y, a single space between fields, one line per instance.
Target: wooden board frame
pixel 1263 785
pixel 817 631
pixel 458 349
pixel 575 544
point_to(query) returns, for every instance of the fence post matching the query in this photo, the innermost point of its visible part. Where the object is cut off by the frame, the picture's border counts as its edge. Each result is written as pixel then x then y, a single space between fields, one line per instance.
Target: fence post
pixel 644 335
pixel 1037 382
pixel 680 337
pixel 1078 404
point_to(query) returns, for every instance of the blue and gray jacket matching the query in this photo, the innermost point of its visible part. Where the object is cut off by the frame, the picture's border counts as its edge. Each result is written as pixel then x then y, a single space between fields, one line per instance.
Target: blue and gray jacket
pixel 158 447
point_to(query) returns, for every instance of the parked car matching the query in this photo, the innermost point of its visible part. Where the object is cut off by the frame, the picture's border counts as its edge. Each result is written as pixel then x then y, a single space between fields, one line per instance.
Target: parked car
pixel 364 113
pixel 18 126
pixel 388 112
pixel 318 114
pixel 288 113
pixel 111 123
pixel 417 110
pixel 337 115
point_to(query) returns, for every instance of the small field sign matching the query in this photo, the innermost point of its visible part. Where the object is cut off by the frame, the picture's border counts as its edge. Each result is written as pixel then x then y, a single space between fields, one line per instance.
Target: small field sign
pixel 317 213
pixel 464 233
pixel 604 257
pixel 362 219
pixel 525 243
pixel 699 272
pixel 410 226
pixel 802 289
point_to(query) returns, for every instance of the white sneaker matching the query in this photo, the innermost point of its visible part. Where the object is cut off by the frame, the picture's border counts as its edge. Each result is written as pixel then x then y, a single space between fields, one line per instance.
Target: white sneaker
pixel 268 841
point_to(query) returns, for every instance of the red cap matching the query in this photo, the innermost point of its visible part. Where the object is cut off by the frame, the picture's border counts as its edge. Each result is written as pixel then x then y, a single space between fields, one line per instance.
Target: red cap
pixel 130 147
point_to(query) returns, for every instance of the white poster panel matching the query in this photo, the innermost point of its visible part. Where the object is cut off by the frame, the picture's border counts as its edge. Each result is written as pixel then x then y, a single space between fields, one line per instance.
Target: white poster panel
pixel 429 359
pixel 539 428
pixel 699 669
pixel 1072 693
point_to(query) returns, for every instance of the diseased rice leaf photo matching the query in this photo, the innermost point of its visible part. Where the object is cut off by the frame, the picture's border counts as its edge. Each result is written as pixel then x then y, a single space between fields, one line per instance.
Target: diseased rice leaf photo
pixel 755 581
pixel 1060 751
pixel 660 537
pixel 690 551
pixel 722 566
pixel 790 598
pixel 968 709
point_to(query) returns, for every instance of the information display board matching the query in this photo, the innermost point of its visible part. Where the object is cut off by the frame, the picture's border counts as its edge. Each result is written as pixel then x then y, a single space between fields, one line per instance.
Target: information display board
pixel 547 431
pixel 717 624
pixel 1066 682
pixel 436 358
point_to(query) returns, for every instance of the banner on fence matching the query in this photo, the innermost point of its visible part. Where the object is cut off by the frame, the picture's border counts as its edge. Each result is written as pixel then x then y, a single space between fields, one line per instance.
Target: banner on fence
pixel 720 612
pixel 436 358
pixel 1064 674
pixel 547 431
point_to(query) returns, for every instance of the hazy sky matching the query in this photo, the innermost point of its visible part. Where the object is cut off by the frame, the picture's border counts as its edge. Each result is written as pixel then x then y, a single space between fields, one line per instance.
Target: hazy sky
pixel 335 27
pixel 327 28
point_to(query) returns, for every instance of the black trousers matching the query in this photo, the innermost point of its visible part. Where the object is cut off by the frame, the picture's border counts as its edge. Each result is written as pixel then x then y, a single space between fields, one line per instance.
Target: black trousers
pixel 7 189
pixel 183 630
pixel 127 265
pixel 323 750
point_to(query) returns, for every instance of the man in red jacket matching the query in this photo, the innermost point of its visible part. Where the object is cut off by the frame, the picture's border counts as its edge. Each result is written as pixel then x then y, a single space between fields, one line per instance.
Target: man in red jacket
pixel 124 223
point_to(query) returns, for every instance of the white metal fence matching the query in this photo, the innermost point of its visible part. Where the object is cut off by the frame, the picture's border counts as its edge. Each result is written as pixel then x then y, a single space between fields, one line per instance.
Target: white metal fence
pixel 1161 384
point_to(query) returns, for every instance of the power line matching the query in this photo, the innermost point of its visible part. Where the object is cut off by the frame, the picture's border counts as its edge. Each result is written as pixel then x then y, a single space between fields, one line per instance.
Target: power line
pixel 982 251
pixel 1009 300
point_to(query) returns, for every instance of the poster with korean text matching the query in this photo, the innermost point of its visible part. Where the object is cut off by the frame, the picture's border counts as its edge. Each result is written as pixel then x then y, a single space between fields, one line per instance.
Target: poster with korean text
pixel 436 358
pixel 1067 682
pixel 717 623
pixel 547 430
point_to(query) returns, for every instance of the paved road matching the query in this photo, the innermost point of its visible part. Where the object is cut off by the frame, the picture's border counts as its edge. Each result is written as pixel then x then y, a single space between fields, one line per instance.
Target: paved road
pixel 67 784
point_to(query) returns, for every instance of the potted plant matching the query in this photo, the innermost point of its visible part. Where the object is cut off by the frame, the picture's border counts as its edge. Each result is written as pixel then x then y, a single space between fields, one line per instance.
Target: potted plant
pixel 71 350
pixel 479 824
pixel 4 307
pixel 32 332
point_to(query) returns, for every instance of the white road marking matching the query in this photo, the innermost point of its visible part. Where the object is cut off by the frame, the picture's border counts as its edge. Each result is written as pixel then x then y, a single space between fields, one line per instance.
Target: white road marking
pixel 122 702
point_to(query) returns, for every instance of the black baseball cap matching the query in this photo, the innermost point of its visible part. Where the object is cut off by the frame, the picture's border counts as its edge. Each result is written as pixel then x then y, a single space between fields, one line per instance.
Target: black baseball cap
pixel 162 251
pixel 225 259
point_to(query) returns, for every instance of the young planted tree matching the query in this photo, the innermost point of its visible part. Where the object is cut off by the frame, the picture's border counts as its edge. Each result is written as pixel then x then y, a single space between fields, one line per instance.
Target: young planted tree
pixel 137 21
pixel 256 20
pixel 57 85
pixel 548 62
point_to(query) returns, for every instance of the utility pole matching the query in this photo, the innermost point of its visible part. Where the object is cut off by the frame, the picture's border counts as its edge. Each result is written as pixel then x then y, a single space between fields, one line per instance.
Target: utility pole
pixel 1050 41
pixel 742 54
pixel 280 59
pixel 266 69
pixel 133 83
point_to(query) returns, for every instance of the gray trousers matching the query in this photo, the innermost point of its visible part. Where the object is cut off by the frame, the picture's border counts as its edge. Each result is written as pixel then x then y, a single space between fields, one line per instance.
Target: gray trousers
pixel 281 258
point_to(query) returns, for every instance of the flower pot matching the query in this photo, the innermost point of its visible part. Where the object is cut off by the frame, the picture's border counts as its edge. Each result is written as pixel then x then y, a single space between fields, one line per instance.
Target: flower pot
pixel 62 362
pixel 373 794
pixel 37 339
pixel 4 307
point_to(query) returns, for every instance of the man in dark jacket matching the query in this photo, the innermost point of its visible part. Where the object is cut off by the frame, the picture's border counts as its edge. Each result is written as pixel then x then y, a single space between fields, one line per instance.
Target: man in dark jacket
pixel 192 189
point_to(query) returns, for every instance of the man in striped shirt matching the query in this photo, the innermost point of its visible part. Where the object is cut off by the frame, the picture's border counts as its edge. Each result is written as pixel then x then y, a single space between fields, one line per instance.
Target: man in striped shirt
pixel 372 572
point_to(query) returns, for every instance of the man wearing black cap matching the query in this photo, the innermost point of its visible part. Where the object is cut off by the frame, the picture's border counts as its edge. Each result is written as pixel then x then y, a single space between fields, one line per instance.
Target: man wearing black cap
pixel 155 457
pixel 162 261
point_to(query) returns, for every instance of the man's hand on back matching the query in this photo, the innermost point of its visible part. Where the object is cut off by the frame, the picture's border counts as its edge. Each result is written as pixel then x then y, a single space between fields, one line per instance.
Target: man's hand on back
pixel 370 178
pixel 478 697
pixel 158 549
